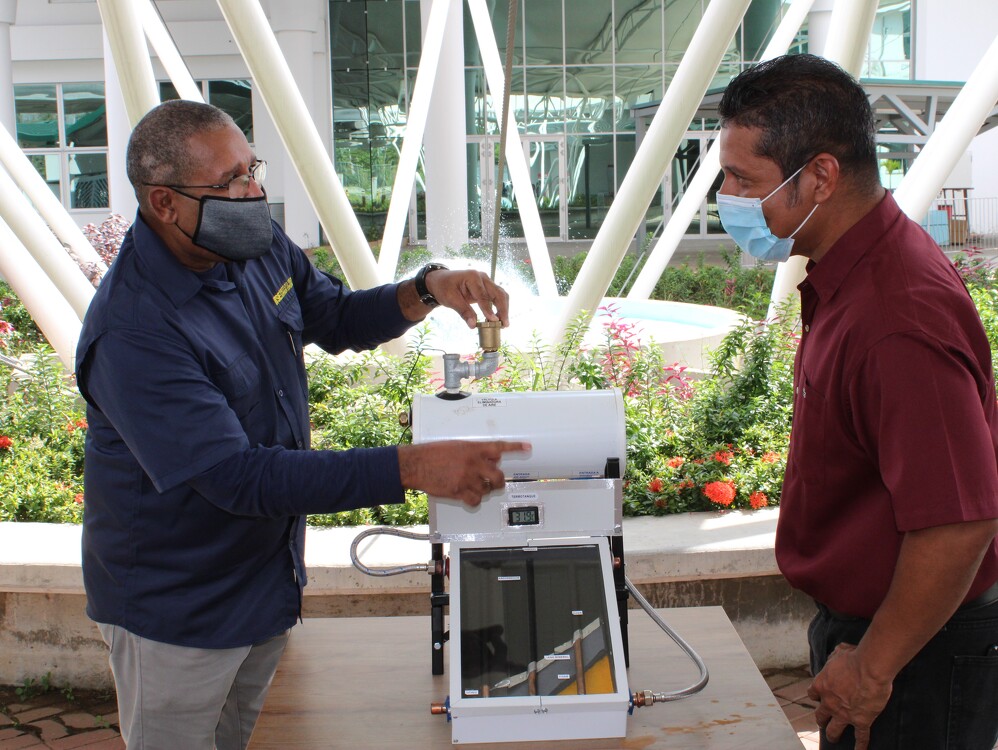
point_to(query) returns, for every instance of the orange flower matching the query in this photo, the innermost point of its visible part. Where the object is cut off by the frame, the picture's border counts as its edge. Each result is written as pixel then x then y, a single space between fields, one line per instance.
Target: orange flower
pixel 660 503
pixel 5 442
pixel 685 484
pixel 721 493
pixel 758 500
pixel 675 462
pixel 770 457
pixel 655 485
pixel 78 498
pixel 724 457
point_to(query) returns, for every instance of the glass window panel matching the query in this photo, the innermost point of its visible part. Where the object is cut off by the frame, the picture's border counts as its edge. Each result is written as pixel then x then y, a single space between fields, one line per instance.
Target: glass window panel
pixel 682 17
pixel 350 103
pixel 589 34
pixel 500 19
pixel 475 87
pixel 544 163
pixel 638 25
pixel 37 115
pixel 234 97
pixel 761 20
pixel 475 199
pixel 88 181
pixel 544 31
pixel 590 184
pixel 635 84
pixel 353 167
pixel 347 35
pixel 889 51
pixel 534 623
pixel 167 91
pixel 387 101
pixel 589 99
pixel 48 166
pixel 414 33
pixel 545 100
pixel 385 34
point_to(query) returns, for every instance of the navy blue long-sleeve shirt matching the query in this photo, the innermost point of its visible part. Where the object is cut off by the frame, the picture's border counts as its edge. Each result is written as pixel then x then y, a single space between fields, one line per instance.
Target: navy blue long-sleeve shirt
pixel 198 470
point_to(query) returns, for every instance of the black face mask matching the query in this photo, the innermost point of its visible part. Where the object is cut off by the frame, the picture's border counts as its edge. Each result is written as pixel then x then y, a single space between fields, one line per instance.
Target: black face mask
pixel 234 228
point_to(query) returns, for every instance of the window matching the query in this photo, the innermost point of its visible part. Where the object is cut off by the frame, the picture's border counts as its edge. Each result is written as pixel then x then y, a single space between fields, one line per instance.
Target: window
pixel 234 97
pixel 62 129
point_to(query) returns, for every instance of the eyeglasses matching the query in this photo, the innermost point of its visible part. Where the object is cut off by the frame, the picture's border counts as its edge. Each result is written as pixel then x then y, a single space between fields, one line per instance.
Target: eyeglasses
pixel 237 187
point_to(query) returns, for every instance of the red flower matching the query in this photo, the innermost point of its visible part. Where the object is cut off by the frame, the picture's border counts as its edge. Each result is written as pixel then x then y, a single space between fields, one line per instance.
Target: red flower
pixel 758 500
pixel 78 498
pixel 660 503
pixel 675 462
pixel 685 484
pixel 5 442
pixel 698 460
pixel 770 457
pixel 721 493
pixel 724 457
pixel 655 485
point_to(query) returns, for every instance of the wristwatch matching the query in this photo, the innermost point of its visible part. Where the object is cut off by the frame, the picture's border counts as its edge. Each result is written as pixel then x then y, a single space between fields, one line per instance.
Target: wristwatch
pixel 420 280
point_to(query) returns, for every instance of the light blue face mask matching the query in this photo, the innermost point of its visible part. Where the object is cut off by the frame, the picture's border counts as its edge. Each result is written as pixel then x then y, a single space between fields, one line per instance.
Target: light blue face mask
pixel 744 220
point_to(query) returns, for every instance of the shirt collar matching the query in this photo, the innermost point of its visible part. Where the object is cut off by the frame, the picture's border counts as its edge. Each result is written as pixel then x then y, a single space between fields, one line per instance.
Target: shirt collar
pixel 176 281
pixel 827 275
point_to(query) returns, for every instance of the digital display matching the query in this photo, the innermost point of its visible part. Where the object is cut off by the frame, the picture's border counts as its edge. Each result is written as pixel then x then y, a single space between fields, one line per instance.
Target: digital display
pixel 524 516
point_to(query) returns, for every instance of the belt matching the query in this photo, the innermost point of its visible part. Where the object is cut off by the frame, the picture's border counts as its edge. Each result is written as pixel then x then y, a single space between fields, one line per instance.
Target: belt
pixel 987 597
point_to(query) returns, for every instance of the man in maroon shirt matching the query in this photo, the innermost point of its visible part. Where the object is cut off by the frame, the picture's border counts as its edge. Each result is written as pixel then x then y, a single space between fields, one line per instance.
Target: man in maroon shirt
pixel 890 500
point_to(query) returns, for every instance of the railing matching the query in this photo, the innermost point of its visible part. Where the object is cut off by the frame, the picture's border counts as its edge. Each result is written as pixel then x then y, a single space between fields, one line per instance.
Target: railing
pixel 958 222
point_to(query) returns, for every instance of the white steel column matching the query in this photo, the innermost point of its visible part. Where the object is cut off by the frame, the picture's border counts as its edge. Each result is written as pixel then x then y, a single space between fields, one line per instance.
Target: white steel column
pixel 950 138
pixel 412 143
pixel 516 160
pixel 43 301
pixel 64 272
pixel 161 41
pixel 45 202
pixel 277 88
pixel 848 38
pixel 295 27
pixel 128 45
pixel 8 10
pixel 710 165
pixel 121 193
pixel 445 151
pixel 653 158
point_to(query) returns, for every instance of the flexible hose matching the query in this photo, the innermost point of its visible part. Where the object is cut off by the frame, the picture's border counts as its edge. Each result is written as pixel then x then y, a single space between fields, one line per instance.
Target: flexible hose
pixel 421 568
pixel 674 695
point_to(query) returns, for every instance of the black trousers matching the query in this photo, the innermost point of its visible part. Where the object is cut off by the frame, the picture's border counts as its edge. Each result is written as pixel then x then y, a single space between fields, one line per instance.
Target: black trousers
pixel 946 698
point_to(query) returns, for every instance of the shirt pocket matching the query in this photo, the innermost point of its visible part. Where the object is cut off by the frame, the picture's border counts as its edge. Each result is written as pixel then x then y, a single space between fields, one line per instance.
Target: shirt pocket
pixel 289 313
pixel 240 384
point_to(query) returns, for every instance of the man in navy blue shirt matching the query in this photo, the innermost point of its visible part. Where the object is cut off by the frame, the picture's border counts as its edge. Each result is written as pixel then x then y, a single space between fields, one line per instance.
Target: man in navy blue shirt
pixel 198 471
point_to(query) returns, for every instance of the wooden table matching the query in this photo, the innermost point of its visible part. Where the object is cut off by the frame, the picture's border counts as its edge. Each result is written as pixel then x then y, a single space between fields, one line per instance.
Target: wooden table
pixel 365 683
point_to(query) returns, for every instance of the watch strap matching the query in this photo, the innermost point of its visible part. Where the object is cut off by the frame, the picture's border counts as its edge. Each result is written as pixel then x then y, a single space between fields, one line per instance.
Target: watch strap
pixel 420 281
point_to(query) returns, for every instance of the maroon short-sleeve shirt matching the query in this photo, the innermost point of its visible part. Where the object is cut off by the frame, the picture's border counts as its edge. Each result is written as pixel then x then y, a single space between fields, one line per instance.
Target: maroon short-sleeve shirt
pixel 895 425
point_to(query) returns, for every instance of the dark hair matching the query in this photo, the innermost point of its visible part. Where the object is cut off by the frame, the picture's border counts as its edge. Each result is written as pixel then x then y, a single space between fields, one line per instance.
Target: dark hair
pixel 805 105
pixel 159 147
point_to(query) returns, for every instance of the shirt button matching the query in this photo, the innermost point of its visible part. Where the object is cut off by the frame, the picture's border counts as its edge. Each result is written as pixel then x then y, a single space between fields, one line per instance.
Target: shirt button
pixel 807 329
pixel 301 444
pixel 280 393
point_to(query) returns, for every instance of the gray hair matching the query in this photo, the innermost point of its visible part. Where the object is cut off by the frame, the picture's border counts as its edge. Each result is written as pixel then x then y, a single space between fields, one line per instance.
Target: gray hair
pixel 159 147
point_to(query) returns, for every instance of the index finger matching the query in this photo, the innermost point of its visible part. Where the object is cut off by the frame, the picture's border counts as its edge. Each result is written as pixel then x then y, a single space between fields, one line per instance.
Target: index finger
pixel 501 302
pixel 511 446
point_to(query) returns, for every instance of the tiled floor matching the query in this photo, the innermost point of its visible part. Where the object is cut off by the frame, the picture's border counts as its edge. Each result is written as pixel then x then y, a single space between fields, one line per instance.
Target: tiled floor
pixel 789 687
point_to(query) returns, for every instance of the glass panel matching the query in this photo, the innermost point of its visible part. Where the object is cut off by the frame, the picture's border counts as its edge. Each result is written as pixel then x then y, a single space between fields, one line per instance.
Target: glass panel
pixel 889 52
pixel 543 31
pixel 589 96
pixel 545 100
pixel 385 34
pixel 474 87
pixel 235 98
pixel 347 35
pixel 636 84
pixel 48 166
pixel 638 30
pixel 684 166
pixel 352 158
pixel 761 20
pixel 590 184
pixel 682 17
pixel 534 623
pixel 88 181
pixel 500 18
pixel 350 102
pixel 167 91
pixel 544 164
pixel 414 33
pixel 387 102
pixel 475 198
pixel 37 115
pixel 588 34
